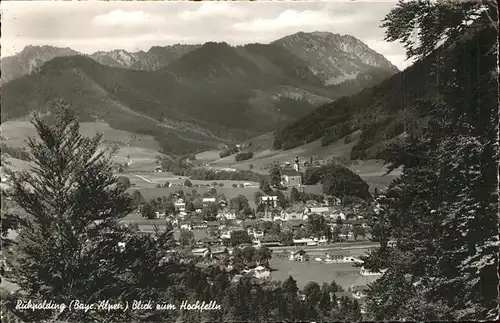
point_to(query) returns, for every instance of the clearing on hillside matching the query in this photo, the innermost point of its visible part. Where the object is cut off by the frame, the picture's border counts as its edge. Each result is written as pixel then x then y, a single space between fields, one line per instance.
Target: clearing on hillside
pixel 142 149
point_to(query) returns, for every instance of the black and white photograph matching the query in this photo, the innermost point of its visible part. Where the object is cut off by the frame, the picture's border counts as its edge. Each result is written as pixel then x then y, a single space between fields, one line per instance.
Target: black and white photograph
pixel 249 161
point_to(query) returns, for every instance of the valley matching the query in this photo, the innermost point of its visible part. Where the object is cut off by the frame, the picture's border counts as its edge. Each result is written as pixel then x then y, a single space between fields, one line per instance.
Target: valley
pixel 266 158
pixel 191 98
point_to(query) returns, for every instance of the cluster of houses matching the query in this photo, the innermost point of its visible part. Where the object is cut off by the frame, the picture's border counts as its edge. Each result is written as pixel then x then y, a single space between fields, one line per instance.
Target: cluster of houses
pixel 222 257
pixel 337 257
pixel 180 207
pixel 331 212
pixel 294 218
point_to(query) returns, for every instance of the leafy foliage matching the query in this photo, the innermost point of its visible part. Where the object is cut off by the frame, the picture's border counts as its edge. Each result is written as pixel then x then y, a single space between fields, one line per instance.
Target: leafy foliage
pixel 123 182
pixel 148 210
pixel 72 208
pixel 240 237
pixel 337 180
pixel 275 176
pixel 137 198
pixel 186 238
pixel 243 156
pixel 15 152
pixel 442 212
pixel 228 152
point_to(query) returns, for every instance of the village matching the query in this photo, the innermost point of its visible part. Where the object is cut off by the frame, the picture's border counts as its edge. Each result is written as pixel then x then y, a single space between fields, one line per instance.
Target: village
pixel 312 237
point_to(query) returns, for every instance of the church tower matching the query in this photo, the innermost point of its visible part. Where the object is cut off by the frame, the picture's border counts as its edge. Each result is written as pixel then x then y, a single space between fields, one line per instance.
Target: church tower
pixel 296 165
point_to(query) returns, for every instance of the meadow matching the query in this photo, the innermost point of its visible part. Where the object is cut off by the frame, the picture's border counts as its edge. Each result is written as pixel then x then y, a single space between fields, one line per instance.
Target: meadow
pixel 142 149
pixel 345 275
pixel 372 171
pixel 229 192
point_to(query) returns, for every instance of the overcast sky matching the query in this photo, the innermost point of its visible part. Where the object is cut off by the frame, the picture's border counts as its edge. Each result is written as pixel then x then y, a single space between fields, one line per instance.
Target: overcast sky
pixel 133 26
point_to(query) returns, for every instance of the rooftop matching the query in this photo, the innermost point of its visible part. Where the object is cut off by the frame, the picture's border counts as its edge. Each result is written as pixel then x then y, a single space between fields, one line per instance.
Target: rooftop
pixel 359 288
pixel 290 172
pixel 343 294
pixel 199 250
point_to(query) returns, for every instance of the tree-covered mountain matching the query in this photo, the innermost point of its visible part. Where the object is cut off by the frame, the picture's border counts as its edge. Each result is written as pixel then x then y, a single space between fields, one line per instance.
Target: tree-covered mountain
pixel 214 93
pixel 126 99
pixel 182 116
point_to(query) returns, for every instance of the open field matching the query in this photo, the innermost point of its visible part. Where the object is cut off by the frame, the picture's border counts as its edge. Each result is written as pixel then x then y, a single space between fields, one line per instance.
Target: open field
pixel 304 272
pixel 268 155
pixel 141 148
pixel 146 184
pixel 261 143
pixel 208 156
pixel 162 178
pixel 257 144
pixel 17 164
pixel 372 171
pixel 229 192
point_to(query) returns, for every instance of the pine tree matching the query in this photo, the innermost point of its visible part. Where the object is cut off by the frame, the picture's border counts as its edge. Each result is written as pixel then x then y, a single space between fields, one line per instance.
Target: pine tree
pixel 442 211
pixel 275 176
pixel 355 314
pixel 313 295
pixel 325 303
pixel 137 198
pixel 70 187
pixel 148 210
pixel 289 286
pixel 294 195
pixel 71 245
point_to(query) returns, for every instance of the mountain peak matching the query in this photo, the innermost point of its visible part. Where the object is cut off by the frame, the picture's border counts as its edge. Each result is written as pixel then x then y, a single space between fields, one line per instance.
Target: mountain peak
pixel 335 58
pixel 213 44
pixel 321 33
pixel 30 48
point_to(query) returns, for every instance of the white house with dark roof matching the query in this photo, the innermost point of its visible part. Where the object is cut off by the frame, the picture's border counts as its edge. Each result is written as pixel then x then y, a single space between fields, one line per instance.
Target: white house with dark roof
pixel 208 200
pixel 270 200
pixel 180 205
pixel 290 177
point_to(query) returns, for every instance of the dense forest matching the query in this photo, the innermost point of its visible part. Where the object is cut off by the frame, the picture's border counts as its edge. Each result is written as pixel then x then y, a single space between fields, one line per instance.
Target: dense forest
pixel 442 214
pixel 338 181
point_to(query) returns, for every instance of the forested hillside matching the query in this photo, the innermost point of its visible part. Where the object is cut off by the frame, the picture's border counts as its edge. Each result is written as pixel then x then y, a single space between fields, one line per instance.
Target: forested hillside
pixel 442 214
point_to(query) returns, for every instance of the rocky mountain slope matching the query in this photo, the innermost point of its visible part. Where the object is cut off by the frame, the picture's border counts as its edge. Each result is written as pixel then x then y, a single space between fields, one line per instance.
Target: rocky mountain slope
pixel 29 59
pixel 381 112
pixel 335 58
pixel 32 57
pixel 155 58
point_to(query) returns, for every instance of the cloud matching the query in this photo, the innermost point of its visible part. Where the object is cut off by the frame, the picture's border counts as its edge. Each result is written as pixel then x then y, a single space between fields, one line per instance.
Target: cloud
pixel 212 9
pixel 399 60
pixel 127 19
pixel 138 25
pixel 91 45
pixel 287 19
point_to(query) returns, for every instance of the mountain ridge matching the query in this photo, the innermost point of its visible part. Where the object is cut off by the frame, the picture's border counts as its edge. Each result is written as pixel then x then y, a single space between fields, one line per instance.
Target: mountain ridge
pixel 158 57
pixel 213 93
